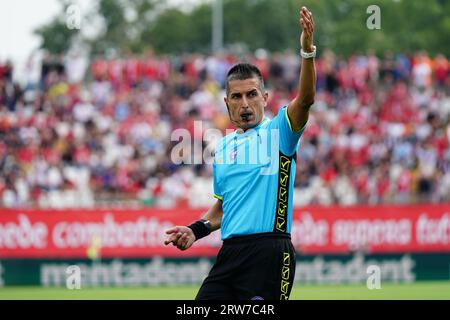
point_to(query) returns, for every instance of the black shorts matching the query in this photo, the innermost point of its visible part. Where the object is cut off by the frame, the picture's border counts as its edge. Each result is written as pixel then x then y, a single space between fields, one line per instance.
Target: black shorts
pixel 254 267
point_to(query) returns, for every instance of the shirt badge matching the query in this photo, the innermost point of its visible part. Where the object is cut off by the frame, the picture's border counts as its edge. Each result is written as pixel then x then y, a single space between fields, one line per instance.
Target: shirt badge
pixel 233 155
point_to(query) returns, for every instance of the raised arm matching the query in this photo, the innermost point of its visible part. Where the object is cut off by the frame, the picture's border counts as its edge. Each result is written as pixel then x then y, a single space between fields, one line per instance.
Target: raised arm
pixel 298 109
pixel 183 237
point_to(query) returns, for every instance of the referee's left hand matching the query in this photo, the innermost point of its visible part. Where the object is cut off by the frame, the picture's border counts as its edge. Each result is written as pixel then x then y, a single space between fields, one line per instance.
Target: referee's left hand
pixel 180 236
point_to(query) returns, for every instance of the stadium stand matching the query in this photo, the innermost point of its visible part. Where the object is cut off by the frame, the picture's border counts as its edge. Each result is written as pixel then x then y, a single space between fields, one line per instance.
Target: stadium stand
pixel 379 130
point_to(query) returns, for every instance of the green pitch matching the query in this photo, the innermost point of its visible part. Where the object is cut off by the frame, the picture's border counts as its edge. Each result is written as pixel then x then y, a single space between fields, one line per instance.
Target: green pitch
pixel 419 290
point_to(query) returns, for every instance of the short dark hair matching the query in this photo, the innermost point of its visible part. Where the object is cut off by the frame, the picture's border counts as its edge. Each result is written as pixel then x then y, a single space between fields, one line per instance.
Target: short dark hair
pixel 243 71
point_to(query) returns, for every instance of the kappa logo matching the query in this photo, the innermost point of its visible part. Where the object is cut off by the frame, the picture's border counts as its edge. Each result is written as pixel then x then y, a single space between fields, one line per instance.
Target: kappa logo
pixel 283 178
pixel 284 286
pixel 282 209
pixel 286 258
pixel 281 224
pixel 285 163
pixel 285 275
pixel 283 194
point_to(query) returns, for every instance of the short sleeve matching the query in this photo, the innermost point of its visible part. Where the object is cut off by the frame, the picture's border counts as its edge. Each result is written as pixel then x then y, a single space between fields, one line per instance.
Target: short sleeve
pixel 217 193
pixel 289 139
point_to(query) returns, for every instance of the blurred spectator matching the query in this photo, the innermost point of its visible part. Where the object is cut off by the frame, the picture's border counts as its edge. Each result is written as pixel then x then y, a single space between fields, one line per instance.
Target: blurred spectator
pixel 379 131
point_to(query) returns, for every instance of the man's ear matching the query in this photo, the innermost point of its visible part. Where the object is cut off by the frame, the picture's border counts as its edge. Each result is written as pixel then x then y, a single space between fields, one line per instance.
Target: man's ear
pixel 225 99
pixel 228 109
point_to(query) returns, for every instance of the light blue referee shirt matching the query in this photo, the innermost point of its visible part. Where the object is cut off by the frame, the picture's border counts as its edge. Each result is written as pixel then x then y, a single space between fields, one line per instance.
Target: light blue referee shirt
pixel 254 174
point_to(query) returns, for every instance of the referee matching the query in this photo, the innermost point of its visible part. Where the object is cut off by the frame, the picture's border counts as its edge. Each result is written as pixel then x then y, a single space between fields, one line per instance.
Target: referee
pixel 254 198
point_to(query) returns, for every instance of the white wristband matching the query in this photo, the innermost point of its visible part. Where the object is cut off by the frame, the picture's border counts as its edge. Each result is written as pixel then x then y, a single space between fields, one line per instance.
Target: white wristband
pixel 308 55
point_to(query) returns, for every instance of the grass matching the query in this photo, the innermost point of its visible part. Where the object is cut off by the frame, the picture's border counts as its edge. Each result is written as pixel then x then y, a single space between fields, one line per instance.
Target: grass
pixel 388 291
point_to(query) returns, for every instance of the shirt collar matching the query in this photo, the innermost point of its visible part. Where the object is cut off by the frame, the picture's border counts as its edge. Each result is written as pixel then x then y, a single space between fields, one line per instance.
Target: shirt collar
pixel 260 124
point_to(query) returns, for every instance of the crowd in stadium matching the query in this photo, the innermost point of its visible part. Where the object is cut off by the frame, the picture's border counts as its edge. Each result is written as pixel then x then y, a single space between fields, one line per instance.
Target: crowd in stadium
pixel 379 130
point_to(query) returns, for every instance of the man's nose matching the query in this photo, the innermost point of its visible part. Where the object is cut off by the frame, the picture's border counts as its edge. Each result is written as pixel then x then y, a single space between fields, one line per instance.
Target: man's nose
pixel 244 102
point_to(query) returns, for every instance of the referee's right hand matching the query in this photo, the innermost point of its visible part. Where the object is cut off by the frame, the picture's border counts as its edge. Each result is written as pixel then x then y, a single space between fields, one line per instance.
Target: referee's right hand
pixel 180 236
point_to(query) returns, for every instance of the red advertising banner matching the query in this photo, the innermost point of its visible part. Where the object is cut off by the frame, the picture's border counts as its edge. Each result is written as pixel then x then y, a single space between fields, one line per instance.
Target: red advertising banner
pixel 140 233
